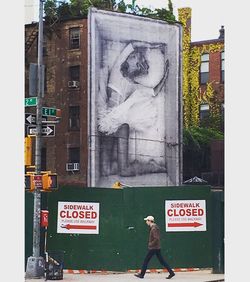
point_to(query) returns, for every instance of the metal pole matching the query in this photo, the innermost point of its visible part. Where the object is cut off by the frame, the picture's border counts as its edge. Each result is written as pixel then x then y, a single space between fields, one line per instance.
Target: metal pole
pixel 37 193
pixel 35 264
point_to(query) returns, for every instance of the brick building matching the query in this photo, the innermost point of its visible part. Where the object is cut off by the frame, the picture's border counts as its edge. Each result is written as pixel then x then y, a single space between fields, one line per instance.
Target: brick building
pixel 65 57
pixel 203 98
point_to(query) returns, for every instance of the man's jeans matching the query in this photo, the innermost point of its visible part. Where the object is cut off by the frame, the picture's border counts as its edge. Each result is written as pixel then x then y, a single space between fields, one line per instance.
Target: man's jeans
pixel 148 257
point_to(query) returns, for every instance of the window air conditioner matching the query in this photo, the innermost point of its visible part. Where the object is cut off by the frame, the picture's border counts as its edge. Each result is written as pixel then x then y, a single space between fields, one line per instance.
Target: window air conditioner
pixel 72 166
pixel 73 84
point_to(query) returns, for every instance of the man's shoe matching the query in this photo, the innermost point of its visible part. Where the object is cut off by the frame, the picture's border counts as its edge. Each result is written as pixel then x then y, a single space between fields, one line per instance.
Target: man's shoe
pixel 170 275
pixel 139 275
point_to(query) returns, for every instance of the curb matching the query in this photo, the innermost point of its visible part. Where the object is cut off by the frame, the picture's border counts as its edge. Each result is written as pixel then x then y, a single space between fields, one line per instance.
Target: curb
pixel 218 280
pixel 155 270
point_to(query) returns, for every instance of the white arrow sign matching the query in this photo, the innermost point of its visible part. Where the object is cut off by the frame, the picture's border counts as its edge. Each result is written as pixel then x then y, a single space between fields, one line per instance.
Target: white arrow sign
pixel 47 130
pixel 31 118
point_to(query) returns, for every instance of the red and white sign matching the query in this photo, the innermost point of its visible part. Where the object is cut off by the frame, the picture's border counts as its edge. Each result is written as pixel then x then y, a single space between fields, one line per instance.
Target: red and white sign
pixel 38 181
pixel 185 215
pixel 44 218
pixel 78 218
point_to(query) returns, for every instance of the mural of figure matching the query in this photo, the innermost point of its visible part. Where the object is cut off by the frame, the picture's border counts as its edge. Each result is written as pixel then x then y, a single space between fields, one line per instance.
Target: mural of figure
pixel 131 111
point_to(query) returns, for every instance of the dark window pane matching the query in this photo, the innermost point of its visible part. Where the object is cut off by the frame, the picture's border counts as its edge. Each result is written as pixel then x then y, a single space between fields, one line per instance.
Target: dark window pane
pixel 74 73
pixel 74 117
pixel 204 76
pixel 204 115
pixel 204 111
pixel 74 155
pixel 222 76
pixel 222 66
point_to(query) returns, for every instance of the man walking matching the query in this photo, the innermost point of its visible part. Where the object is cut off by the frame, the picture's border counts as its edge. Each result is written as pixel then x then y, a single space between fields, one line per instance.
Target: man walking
pixel 154 248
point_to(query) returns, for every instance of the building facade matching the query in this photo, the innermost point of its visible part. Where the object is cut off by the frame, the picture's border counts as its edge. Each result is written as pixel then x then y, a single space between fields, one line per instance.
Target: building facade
pixel 65 88
pixel 203 76
pixel 65 56
pixel 203 98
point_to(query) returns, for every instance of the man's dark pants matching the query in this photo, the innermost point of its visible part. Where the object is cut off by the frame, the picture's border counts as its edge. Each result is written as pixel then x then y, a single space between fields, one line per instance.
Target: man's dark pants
pixel 148 257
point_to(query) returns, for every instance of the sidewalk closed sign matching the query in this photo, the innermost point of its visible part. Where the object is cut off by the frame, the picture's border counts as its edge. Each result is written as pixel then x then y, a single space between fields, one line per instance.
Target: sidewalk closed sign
pixel 185 215
pixel 78 218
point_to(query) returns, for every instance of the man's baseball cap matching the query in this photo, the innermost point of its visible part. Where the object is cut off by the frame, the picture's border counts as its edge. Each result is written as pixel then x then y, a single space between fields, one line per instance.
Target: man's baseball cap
pixel 149 217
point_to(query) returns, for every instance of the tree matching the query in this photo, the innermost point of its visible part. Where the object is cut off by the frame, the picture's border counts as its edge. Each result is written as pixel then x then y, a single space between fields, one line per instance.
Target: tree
pixel 196 149
pixel 76 8
pixel 50 9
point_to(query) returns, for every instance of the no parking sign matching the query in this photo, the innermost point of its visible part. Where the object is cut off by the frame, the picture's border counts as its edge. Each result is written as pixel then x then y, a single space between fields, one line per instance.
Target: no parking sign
pixel 185 215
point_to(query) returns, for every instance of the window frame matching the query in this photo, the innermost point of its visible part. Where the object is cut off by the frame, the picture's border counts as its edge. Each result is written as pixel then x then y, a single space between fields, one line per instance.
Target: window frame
pixel 204 75
pixel 204 114
pixel 74 41
pixel 74 118
pixel 222 68
pixel 72 71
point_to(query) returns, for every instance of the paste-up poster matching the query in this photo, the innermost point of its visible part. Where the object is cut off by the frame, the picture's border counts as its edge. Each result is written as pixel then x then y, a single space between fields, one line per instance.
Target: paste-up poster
pixel 135 116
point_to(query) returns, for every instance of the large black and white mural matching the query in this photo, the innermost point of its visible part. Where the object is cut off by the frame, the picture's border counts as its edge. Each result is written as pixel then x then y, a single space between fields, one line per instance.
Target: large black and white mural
pixel 134 101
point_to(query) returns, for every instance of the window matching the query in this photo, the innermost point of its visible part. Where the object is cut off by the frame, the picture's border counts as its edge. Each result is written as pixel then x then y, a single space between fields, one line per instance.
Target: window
pixel 204 112
pixel 73 163
pixel 74 118
pixel 74 155
pixel 204 69
pixel 222 116
pixel 222 66
pixel 74 77
pixel 74 38
pixel 74 73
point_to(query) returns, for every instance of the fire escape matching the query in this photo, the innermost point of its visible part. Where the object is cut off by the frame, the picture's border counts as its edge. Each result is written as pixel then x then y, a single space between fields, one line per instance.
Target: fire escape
pixel 49 28
pixel 31 38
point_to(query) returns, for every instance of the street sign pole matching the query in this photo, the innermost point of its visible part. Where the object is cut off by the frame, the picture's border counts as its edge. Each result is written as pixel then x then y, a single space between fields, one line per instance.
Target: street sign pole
pixel 35 264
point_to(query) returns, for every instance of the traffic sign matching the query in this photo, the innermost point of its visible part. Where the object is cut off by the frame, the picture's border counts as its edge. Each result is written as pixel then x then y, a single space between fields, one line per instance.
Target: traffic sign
pixel 185 215
pixel 29 102
pixel 38 181
pixel 49 111
pixel 31 118
pixel 47 130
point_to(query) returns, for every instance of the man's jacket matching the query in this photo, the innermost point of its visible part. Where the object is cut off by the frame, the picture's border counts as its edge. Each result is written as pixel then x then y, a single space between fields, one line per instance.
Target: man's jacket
pixel 154 237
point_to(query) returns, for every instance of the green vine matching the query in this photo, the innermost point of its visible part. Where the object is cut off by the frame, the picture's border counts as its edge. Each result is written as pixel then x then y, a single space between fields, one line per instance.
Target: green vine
pixel 184 17
pixel 193 96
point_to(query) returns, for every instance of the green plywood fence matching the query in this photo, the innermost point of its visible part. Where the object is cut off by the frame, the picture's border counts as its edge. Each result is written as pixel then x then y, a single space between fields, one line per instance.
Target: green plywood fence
pixel 122 240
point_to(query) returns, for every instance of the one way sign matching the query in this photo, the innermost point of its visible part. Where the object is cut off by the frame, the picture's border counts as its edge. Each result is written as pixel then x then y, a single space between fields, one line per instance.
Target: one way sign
pixel 31 118
pixel 47 130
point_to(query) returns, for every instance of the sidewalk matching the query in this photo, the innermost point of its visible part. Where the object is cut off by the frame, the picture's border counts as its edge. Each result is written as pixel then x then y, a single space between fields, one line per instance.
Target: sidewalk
pixel 192 276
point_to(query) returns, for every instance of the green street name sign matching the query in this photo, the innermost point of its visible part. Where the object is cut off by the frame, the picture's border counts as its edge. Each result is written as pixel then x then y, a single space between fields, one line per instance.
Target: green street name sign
pixel 29 102
pixel 49 112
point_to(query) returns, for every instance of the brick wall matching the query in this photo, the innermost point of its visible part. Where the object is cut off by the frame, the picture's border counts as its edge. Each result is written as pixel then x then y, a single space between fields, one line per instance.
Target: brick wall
pixel 57 59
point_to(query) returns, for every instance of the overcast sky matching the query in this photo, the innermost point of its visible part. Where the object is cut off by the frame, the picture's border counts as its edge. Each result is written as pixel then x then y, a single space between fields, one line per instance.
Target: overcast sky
pixel 207 15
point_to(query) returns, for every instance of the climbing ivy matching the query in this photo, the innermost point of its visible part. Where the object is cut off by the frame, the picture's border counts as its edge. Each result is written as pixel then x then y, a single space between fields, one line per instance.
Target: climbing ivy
pixel 193 96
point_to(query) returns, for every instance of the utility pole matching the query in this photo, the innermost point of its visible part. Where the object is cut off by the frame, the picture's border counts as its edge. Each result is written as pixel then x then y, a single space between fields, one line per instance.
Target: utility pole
pixel 35 264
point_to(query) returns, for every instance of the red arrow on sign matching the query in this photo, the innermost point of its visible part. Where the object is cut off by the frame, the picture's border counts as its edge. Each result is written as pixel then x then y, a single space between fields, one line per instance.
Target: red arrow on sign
pixel 191 224
pixel 71 226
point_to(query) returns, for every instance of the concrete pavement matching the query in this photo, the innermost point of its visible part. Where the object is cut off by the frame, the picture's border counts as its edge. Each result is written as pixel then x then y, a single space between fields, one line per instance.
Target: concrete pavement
pixel 191 276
